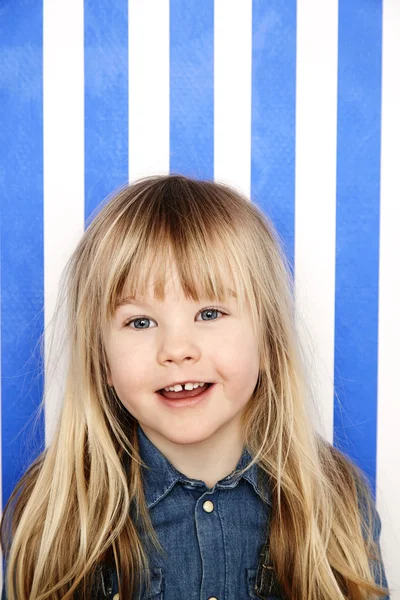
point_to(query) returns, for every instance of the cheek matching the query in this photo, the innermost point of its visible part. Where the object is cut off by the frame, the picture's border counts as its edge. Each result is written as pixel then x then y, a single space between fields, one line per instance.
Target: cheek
pixel 238 361
pixel 130 374
pixel 128 367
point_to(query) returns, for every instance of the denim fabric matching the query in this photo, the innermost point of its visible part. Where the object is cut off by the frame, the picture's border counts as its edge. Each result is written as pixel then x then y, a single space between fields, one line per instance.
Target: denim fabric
pixel 212 537
pixel 377 526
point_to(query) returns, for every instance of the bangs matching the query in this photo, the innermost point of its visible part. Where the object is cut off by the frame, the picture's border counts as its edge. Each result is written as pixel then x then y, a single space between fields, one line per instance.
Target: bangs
pixel 203 272
pixel 198 231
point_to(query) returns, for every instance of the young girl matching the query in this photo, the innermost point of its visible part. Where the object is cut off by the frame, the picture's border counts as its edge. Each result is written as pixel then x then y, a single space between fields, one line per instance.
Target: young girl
pixel 184 463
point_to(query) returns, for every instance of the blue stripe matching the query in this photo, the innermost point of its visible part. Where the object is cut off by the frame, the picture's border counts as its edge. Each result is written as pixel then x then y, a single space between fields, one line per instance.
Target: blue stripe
pixel 21 192
pixel 357 234
pixel 273 123
pixel 192 88
pixel 106 99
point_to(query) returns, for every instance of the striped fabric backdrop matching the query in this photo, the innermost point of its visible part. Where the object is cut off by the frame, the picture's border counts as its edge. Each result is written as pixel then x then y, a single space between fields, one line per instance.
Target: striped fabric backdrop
pixel 297 104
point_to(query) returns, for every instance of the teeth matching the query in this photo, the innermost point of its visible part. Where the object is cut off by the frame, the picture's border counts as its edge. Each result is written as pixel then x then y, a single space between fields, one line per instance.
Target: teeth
pixel 179 388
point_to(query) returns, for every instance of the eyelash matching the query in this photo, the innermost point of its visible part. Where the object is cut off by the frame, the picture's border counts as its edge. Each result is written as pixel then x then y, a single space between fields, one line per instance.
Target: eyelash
pixel 204 321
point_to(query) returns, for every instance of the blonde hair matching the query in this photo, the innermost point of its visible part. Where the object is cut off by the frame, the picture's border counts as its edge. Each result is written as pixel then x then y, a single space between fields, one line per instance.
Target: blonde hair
pixel 86 486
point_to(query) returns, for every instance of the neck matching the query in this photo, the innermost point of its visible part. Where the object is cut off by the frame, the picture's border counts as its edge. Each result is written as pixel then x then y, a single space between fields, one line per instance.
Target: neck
pixel 208 460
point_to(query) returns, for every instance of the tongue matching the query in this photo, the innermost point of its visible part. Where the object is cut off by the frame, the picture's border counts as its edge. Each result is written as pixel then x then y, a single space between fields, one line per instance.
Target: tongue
pixel 185 393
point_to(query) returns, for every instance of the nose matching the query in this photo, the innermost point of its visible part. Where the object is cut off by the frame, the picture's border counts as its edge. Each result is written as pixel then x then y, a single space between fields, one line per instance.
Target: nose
pixel 178 349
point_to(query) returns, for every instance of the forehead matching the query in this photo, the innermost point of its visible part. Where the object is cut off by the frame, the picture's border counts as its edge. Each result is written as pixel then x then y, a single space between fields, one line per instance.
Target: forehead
pixel 139 299
pixel 207 276
pixel 164 279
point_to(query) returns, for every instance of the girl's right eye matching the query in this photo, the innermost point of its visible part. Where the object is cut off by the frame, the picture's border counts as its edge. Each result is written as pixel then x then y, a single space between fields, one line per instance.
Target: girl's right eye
pixel 140 320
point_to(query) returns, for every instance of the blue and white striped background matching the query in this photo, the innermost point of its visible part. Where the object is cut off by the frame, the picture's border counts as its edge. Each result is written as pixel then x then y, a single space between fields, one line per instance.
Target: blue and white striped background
pixel 294 103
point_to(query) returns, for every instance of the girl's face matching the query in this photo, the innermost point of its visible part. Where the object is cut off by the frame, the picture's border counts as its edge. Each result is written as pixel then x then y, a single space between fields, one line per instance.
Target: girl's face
pixel 179 340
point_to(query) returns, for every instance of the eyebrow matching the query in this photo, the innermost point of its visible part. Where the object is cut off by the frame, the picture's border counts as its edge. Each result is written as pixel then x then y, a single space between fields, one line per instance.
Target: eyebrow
pixel 133 300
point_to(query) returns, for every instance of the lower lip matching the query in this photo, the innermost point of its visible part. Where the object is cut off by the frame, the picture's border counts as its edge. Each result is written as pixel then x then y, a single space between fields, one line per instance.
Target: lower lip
pixel 187 401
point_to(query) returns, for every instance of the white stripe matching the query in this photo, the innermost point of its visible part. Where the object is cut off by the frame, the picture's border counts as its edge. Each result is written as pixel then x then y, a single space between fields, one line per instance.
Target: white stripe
pixel 148 87
pixel 315 214
pixel 63 142
pixel 232 93
pixel 388 442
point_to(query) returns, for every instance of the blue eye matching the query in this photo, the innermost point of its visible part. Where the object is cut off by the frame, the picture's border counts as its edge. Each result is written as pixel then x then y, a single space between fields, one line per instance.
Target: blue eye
pixel 141 320
pixel 210 310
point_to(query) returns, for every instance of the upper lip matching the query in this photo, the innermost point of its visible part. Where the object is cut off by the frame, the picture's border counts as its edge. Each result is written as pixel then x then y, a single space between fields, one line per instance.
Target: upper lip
pixel 183 383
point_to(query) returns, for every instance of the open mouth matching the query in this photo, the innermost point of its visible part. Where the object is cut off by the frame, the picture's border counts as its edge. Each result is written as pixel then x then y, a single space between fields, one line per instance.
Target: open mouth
pixel 185 393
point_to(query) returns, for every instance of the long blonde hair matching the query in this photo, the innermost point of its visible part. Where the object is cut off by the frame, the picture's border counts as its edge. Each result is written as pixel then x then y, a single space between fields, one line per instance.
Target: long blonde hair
pixel 81 503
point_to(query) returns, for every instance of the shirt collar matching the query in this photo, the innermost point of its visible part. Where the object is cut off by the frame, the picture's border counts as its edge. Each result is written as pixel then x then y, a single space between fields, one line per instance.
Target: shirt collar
pixel 161 476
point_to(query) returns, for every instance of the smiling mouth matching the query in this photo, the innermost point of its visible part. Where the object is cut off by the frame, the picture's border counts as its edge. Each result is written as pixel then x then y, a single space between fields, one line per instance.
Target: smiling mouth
pixel 184 393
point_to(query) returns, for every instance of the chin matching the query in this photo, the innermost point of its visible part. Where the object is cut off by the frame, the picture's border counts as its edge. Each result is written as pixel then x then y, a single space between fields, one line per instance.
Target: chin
pixel 187 434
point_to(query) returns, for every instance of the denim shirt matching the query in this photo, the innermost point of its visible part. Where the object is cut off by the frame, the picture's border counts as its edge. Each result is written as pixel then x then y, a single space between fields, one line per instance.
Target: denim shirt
pixel 213 538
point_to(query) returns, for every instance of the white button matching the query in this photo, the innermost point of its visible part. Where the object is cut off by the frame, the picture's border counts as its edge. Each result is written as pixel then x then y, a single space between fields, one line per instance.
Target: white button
pixel 208 506
pixel 213 598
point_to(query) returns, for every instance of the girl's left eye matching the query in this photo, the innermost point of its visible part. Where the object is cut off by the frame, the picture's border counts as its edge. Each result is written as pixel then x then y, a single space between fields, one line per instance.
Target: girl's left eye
pixel 141 319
